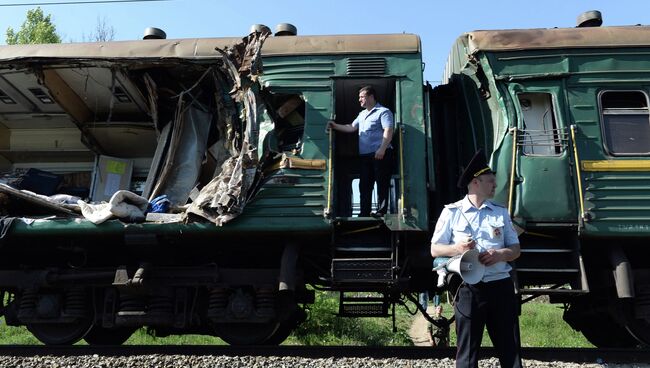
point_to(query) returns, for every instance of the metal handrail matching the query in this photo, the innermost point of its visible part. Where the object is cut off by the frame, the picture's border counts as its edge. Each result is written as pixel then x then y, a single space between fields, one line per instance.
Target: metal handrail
pixel 529 139
pixel 578 176
pixel 401 169
pixel 329 176
pixel 512 170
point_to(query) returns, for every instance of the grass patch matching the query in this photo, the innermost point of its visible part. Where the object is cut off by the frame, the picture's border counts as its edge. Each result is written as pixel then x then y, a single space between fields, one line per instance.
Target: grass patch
pixel 10 335
pixel 16 335
pixel 141 337
pixel 323 327
pixel 540 325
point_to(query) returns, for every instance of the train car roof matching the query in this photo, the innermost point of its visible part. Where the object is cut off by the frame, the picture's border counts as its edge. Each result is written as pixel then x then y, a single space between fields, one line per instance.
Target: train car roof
pixel 197 48
pixel 557 38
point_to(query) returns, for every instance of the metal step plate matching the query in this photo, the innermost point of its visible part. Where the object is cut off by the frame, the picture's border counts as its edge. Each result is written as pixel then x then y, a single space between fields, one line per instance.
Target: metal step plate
pixel 368 270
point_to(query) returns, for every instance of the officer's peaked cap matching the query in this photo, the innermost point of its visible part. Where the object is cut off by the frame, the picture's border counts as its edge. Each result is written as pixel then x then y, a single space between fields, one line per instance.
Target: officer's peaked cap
pixel 476 167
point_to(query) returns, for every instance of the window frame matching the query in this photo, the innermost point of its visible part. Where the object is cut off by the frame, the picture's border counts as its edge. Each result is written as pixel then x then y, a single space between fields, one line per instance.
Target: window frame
pixel 601 115
pixel 557 138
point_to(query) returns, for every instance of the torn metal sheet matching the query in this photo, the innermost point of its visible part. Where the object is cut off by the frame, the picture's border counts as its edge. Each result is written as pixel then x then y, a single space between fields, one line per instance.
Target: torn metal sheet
pixel 224 198
pixel 183 164
pixel 164 218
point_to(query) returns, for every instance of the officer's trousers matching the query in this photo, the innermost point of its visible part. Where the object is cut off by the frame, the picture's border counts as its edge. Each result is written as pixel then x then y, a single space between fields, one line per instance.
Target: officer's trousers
pixel 492 304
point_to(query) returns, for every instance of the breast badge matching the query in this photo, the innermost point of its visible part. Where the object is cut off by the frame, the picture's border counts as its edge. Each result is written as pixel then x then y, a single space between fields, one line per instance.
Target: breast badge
pixel 496 232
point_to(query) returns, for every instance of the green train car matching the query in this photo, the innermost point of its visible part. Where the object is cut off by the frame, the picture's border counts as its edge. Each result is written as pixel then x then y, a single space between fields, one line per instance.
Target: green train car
pixel 257 208
pixel 565 114
pixel 202 192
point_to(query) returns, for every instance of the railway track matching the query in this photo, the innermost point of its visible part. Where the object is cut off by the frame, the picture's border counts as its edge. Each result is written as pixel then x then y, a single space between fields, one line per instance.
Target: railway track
pixel 590 355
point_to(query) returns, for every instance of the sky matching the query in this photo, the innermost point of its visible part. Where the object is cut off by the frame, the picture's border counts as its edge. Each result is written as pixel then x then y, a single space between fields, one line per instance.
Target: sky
pixel 438 23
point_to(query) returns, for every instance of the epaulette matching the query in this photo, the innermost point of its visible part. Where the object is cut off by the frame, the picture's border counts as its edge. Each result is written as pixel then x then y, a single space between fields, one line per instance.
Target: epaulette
pixel 495 204
pixel 458 204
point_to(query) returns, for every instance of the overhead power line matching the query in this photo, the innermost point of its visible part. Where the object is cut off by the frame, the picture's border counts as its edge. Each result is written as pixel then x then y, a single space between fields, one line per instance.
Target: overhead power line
pixel 41 3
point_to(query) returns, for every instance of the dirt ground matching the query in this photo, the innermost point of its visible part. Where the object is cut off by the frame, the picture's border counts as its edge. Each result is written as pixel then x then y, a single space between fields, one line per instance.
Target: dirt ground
pixel 418 330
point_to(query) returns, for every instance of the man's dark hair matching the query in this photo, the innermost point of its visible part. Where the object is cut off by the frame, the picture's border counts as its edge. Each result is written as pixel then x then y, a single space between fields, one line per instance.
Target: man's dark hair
pixel 369 90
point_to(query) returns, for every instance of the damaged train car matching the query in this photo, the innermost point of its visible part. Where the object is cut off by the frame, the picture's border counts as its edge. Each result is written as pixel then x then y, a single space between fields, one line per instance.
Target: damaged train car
pixel 565 112
pixel 180 185
pixel 191 185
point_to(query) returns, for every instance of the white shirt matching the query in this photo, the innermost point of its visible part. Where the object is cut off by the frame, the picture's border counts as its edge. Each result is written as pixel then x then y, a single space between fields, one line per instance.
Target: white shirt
pixel 490 226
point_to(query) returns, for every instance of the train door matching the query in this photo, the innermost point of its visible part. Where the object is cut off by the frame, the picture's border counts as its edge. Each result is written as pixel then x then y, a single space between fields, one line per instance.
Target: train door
pixel 543 177
pixel 346 148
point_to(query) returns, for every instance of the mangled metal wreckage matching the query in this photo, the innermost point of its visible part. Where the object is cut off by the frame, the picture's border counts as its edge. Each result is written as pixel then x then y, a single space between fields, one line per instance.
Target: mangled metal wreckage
pixel 201 129
pixel 119 163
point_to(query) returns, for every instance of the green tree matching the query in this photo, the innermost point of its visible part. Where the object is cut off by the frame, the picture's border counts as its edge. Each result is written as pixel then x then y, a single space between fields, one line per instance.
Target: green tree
pixel 37 28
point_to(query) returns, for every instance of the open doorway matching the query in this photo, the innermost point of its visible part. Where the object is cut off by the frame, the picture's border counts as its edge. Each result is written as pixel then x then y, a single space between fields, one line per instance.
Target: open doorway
pixel 346 148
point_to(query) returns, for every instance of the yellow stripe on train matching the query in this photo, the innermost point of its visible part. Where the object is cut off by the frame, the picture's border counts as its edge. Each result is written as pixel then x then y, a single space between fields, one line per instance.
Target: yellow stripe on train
pixel 616 165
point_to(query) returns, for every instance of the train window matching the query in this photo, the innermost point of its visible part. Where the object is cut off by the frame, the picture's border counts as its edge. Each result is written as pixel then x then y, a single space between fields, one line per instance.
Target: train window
pixel 288 113
pixel 626 122
pixel 540 134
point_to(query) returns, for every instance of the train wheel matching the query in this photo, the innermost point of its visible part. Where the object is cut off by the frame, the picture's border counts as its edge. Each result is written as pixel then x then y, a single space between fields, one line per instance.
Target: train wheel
pixel 60 333
pixel 605 333
pixel 639 328
pixel 246 333
pixel 286 328
pixel 281 333
pixel 104 336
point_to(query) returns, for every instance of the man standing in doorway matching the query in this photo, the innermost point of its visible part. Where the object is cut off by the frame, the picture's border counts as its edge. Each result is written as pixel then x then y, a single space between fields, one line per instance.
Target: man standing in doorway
pixel 375 126
pixel 476 222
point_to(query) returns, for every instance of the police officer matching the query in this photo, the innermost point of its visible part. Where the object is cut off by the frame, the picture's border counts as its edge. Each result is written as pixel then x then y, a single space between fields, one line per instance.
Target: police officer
pixel 477 222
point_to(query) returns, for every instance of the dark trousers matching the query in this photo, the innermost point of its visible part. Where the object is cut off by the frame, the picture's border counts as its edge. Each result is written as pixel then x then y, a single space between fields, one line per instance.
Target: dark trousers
pixel 372 171
pixel 492 304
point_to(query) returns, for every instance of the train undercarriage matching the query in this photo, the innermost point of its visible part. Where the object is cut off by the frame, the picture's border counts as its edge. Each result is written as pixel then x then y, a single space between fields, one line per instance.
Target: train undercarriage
pixel 604 288
pixel 106 305
pixel 615 313
pixel 255 295
pixel 245 300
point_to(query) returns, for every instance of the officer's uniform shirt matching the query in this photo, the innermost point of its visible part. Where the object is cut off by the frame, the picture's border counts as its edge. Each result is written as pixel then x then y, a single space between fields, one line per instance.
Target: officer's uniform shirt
pixel 371 125
pixel 489 226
